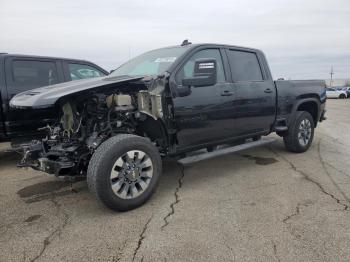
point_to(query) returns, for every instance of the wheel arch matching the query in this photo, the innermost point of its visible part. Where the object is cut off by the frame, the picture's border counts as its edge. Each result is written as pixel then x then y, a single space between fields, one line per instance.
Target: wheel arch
pixel 310 105
pixel 154 129
pixel 342 95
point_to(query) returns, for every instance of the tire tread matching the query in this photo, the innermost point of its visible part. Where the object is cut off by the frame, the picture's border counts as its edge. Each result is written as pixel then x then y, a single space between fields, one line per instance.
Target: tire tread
pixel 97 160
pixel 290 140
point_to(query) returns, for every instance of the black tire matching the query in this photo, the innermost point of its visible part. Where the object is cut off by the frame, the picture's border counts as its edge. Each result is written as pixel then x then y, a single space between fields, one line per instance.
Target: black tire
pixel 282 133
pixel 342 96
pixel 291 140
pixel 256 138
pixel 211 148
pixel 105 158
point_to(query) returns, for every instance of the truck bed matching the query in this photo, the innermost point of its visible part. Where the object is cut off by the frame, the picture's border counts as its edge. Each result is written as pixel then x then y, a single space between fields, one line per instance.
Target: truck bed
pixel 290 91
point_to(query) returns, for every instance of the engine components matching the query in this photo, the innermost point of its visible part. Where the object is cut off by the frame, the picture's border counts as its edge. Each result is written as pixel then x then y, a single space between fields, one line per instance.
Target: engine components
pixel 67 119
pixel 118 100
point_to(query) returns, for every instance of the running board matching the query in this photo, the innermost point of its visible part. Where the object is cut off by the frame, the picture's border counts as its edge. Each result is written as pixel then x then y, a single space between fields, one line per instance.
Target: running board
pixel 224 151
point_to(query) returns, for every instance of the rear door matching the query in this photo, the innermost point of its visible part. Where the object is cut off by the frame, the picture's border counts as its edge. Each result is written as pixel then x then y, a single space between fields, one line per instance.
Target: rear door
pixel 26 73
pixel 255 93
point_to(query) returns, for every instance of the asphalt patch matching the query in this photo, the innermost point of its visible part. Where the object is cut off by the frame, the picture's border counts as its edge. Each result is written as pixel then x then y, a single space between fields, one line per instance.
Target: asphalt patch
pixel 32 218
pixel 263 161
pixel 42 188
pixel 48 196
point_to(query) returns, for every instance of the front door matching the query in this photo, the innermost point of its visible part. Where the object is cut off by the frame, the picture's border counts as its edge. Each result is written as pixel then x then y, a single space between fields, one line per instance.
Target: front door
pixel 203 116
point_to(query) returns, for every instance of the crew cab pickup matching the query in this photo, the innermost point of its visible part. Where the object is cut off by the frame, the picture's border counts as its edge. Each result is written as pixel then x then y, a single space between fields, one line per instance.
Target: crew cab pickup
pixel 20 73
pixel 116 129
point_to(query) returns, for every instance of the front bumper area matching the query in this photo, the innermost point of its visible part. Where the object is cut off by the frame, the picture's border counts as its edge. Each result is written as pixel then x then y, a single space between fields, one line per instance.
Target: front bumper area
pixel 57 162
pixel 57 168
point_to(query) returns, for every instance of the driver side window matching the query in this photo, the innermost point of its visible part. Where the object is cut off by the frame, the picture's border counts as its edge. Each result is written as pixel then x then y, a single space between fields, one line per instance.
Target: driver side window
pixel 188 67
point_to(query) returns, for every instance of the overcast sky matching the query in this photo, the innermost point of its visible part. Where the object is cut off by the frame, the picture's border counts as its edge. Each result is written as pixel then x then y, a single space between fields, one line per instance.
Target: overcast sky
pixel 301 39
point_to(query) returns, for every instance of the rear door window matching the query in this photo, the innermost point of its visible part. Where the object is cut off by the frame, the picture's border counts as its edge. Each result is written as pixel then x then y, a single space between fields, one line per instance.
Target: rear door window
pixel 29 74
pixel 244 66
pixel 83 71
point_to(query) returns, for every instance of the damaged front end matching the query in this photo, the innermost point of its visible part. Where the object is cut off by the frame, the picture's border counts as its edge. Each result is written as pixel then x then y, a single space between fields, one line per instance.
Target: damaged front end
pixel 59 159
pixel 87 120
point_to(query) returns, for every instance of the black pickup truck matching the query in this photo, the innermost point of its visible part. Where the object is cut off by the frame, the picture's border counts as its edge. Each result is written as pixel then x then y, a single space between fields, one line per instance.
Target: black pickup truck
pixel 115 130
pixel 20 73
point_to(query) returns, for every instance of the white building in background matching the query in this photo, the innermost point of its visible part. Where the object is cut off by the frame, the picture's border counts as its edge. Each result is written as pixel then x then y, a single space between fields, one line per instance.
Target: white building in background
pixel 338 82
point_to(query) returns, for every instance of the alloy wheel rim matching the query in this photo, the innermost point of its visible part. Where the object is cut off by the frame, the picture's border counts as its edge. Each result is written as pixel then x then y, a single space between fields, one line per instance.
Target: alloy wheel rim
pixel 131 174
pixel 304 134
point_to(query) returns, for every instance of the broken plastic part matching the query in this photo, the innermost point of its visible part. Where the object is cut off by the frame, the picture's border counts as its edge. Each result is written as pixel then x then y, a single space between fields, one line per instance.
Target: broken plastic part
pixel 150 104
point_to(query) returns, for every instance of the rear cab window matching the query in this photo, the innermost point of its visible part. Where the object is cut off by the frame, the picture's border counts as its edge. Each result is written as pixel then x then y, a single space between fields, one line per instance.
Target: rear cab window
pixel 82 71
pixel 244 66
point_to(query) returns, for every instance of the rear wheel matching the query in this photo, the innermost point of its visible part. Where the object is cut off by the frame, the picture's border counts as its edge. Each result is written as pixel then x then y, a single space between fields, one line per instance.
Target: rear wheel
pixel 124 171
pixel 300 133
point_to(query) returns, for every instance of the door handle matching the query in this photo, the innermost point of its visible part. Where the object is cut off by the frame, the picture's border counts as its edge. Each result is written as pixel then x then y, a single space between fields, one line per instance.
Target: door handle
pixel 227 93
pixel 268 90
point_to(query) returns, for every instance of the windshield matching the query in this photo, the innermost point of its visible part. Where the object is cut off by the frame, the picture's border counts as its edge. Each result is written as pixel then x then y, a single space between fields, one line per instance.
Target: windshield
pixel 153 62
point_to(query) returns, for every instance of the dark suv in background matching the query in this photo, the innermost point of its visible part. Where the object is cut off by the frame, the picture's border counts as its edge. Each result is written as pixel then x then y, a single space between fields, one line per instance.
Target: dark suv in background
pixel 19 73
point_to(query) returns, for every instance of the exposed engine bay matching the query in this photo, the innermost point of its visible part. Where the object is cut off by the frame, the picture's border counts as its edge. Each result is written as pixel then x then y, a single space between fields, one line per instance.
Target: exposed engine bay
pixel 86 121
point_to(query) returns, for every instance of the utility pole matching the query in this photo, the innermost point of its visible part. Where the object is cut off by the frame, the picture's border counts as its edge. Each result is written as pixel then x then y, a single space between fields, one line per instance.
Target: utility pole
pixel 331 73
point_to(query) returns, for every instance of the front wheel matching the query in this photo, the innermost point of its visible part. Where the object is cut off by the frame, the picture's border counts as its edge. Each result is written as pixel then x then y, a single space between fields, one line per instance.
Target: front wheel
pixel 300 133
pixel 342 96
pixel 124 171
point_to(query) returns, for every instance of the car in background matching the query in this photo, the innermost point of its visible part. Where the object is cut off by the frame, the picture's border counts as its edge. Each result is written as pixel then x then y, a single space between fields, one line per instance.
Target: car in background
pixel 332 92
pixel 21 73
pixel 346 89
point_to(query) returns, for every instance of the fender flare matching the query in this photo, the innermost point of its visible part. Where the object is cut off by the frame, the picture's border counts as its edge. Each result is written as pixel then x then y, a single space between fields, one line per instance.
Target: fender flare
pixel 300 102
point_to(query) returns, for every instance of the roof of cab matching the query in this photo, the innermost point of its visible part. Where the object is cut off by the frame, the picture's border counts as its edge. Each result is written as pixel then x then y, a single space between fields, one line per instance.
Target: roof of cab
pixel 190 45
pixel 3 54
pixel 226 46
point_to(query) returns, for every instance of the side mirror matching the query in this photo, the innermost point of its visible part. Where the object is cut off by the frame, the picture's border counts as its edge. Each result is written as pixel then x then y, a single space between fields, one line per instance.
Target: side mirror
pixel 204 73
pixel 110 72
pixel 184 91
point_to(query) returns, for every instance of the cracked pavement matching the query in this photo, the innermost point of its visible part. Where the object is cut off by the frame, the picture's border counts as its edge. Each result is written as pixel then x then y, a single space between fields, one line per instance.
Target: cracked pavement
pixel 262 204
